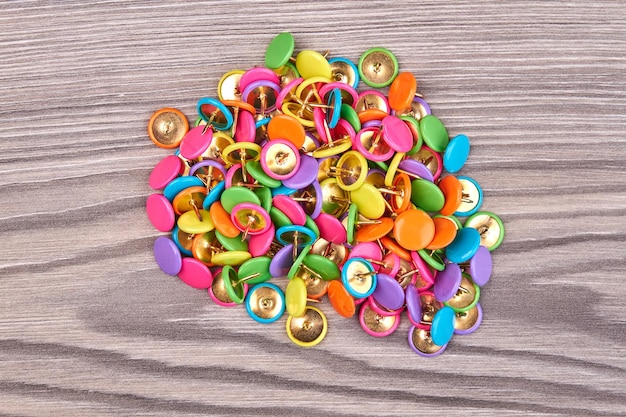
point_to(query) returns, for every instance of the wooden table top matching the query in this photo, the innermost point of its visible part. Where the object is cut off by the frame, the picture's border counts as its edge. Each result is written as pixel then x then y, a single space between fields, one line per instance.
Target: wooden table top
pixel 89 325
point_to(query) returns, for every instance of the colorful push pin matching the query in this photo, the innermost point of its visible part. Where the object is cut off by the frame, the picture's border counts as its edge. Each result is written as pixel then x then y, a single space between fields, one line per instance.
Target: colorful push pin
pixel 402 92
pixel 221 220
pixel 312 64
pixel 250 219
pixel 370 230
pixel 376 324
pixel 310 198
pixel 349 96
pixel 335 199
pixel 257 74
pixel 167 127
pixel 265 303
pixel 230 257
pixel 413 305
pixel 244 124
pixel 490 228
pixel 396 133
pixel 305 175
pixel 430 306
pixel 308 329
pixel 297 262
pixel 215 194
pixel 282 261
pixel 334 252
pixel 344 71
pixel 179 184
pixel 280 159
pixel 241 153
pixel 369 201
pixel 388 293
pixel 340 299
pixel 215 114
pixel 359 277
pixel 445 232
pixel 167 255
pixel 298 236
pixel 427 196
pixel 456 153
pixel 350 171
pixel 261 95
pixel 442 327
pixel 479 267
pixel 414 229
pixel 217 291
pixel 333 145
pixel 234 285
pixel 321 266
pixel 183 241
pixel 419 108
pixel 447 282
pixel 165 171
pixel 464 245
pixel 160 212
pixel 466 296
pixel 372 100
pixel 216 149
pixel 228 85
pixel 195 222
pixel 452 190
pixel 290 208
pixel 409 273
pixel 400 193
pixel 236 195
pixel 368 141
pixel 195 274
pixel 210 173
pixel 421 342
pixel 472 197
pixel 434 133
pixel 467 322
pixel 296 297
pixel 378 67
pixel 431 159
pixel 433 258
pixel 232 243
pixel 283 126
pixel 190 199
pixel 255 270
pixel 279 50
pixel 204 246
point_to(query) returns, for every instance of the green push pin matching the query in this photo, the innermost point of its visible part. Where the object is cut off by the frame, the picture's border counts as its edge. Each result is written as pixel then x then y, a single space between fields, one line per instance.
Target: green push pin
pixel 235 195
pixel 426 195
pixel 434 133
pixel 279 50
pixel 256 270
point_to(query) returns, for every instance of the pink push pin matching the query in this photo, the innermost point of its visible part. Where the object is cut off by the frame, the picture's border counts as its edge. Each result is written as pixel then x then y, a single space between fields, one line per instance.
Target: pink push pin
pixel 327 88
pixel 165 171
pixel 280 159
pixel 376 324
pixel 257 74
pixel 291 208
pixel 195 274
pixel 369 96
pixel 396 134
pixel 390 264
pixel 369 142
pixel 196 141
pixel 246 127
pixel 250 219
pixel 259 245
pixel 160 212
pixel 321 126
pixel 288 91
pixel 331 228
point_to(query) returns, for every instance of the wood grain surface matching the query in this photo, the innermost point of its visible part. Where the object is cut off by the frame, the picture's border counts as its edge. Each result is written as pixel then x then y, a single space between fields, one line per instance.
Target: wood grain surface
pixel 89 326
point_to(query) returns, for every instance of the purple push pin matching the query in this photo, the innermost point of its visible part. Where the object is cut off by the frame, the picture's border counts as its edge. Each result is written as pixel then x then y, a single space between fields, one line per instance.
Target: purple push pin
pixel 413 304
pixel 282 261
pixel 421 342
pixel 480 266
pixel 207 163
pixel 167 255
pixel 252 94
pixel 478 310
pixel 448 282
pixel 388 292
pixel 416 168
pixel 305 175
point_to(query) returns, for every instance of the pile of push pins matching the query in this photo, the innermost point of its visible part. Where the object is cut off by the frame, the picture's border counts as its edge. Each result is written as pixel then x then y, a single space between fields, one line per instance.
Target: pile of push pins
pixel 293 176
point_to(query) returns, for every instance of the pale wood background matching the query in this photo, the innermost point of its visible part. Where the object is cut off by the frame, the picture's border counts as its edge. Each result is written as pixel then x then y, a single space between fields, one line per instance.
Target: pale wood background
pixel 89 326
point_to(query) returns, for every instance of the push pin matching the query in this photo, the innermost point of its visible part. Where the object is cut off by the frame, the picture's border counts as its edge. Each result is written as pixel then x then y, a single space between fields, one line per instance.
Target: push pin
pixel 376 324
pixel 421 342
pixel 218 293
pixel 378 67
pixel 472 197
pixel 335 199
pixel 250 219
pixel 265 303
pixel 167 127
pixel 359 277
pixel 309 329
pixel 466 296
pixel 467 322
pixel 334 252
pixel 228 85
pixel 237 106
pixel 241 153
pixel 204 246
pixel 298 236
pixel 368 142
pixel 210 173
pixel 280 159
pixel 261 95
pixel 332 146
pixel 190 198
pixel 429 158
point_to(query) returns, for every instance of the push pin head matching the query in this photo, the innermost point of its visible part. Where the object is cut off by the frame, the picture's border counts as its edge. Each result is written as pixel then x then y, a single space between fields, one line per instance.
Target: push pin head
pixel 167 127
